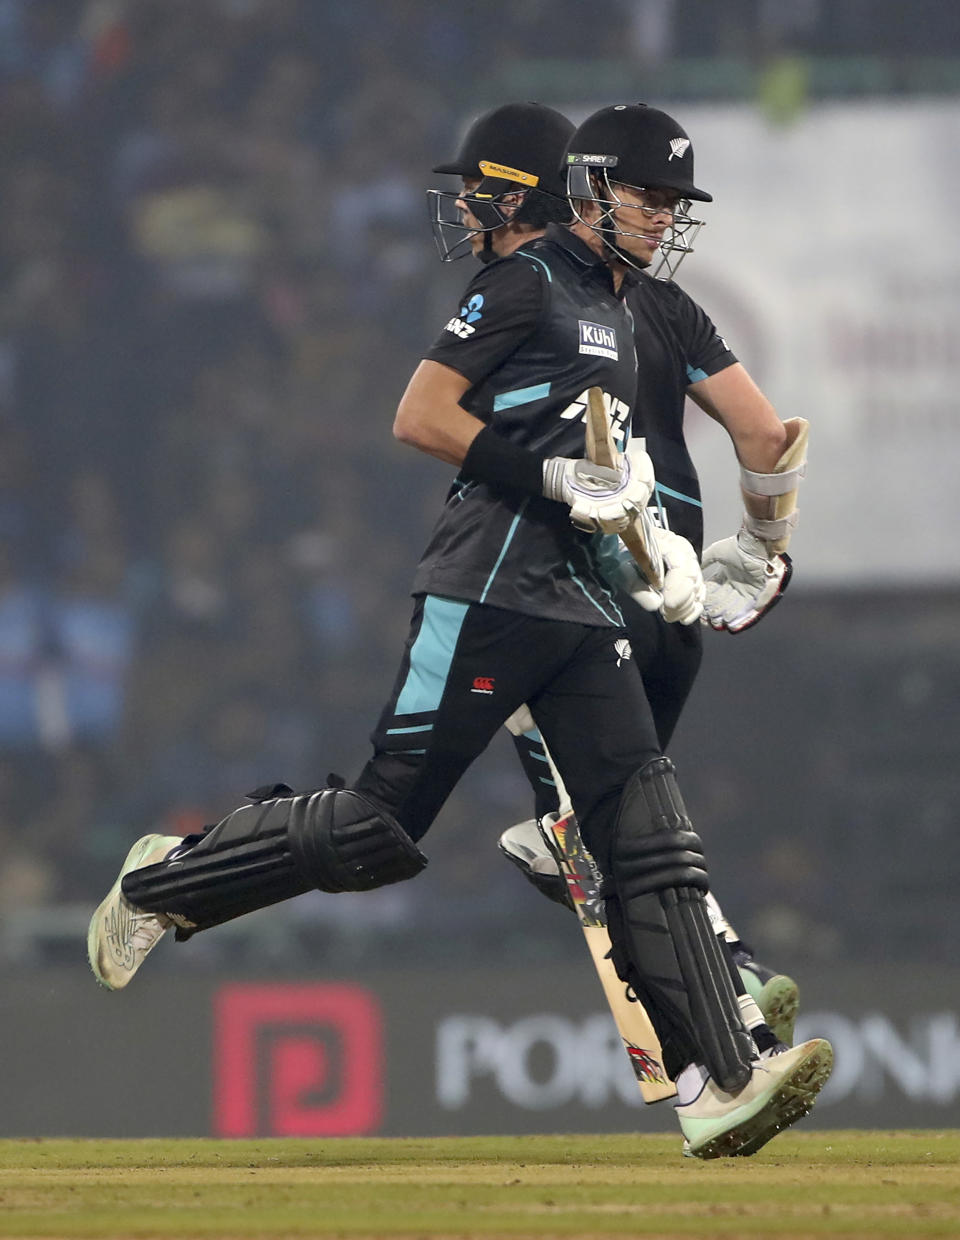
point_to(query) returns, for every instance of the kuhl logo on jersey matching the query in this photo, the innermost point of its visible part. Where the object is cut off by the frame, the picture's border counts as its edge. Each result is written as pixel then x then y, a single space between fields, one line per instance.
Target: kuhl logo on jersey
pixel 598 341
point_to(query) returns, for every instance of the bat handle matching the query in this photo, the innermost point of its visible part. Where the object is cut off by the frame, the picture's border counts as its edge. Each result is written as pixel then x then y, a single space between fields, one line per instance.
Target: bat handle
pixel 651 565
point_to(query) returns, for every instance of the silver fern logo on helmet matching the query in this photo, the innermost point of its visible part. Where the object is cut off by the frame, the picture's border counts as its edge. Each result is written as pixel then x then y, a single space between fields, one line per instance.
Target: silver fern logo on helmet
pixel 678 148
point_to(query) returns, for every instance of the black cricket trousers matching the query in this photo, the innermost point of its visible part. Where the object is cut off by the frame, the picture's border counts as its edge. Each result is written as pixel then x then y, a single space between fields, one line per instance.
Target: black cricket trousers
pixel 467 667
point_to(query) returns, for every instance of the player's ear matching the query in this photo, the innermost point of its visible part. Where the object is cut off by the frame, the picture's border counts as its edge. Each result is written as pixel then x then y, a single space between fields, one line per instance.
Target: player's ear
pixel 513 200
pixel 586 209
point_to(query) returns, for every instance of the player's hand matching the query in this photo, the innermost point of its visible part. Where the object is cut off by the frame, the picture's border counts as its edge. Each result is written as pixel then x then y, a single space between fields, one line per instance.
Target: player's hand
pixel 681 597
pixel 743 582
pixel 600 498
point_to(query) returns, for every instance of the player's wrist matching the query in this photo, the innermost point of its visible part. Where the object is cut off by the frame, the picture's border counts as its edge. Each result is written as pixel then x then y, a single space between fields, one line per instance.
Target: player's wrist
pixel 491 458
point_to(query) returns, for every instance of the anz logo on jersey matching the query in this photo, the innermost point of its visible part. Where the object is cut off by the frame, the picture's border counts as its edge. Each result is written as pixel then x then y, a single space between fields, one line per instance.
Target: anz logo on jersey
pixel 463 326
pixel 618 411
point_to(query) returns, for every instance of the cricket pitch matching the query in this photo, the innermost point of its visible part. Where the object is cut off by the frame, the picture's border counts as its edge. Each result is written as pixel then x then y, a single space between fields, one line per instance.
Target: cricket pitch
pixel 859 1185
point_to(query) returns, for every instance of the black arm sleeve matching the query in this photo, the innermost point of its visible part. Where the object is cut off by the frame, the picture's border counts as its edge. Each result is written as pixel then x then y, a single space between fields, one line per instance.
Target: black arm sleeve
pixel 491 458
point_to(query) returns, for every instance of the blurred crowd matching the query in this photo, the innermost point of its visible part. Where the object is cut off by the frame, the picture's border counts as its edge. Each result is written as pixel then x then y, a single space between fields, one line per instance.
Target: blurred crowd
pixel 215 278
pixel 200 347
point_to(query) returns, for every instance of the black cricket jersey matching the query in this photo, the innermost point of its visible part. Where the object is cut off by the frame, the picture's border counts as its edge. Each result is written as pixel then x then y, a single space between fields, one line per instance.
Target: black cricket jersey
pixel 676 345
pixel 533 333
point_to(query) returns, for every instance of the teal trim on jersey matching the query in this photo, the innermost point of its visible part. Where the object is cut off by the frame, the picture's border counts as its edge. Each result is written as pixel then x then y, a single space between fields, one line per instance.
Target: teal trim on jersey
pixel 520 396
pixel 544 780
pixel 534 735
pixel 687 499
pixel 421 727
pixel 540 757
pixel 536 259
pixel 503 550
pixel 431 655
pixel 606 551
pixel 616 619
pixel 695 375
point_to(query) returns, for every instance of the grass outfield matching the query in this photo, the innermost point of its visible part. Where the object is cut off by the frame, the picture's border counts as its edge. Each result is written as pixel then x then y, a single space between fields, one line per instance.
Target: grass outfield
pixel 852 1184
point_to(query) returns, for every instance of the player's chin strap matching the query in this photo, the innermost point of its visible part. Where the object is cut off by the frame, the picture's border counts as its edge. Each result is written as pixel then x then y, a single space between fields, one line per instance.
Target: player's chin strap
pixel 487 254
pixel 748 574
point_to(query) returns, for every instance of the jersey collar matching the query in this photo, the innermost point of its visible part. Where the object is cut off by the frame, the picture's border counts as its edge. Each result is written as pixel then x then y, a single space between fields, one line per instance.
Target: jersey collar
pixel 583 253
pixel 577 247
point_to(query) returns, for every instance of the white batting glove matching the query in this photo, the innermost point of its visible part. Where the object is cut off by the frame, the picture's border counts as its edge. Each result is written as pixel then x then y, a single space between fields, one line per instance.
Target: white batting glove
pixel 684 590
pixel 681 598
pixel 742 581
pixel 600 498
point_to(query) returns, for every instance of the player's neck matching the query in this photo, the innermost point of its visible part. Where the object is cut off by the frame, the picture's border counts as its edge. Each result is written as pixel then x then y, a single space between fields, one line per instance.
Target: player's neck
pixel 513 237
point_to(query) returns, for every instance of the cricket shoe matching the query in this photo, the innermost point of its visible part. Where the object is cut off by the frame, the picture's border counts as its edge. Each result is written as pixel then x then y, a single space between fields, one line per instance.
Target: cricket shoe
pixel 120 935
pixel 775 994
pixel 526 848
pixel 782 1089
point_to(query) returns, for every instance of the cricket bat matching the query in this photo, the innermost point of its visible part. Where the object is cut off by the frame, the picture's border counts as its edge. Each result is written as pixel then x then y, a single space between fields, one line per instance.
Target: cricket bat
pixel 602 450
pixel 583 883
pixel 633 1024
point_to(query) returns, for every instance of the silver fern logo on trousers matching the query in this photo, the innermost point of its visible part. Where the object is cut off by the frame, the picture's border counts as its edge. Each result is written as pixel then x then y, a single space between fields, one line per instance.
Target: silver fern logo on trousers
pixel 622 647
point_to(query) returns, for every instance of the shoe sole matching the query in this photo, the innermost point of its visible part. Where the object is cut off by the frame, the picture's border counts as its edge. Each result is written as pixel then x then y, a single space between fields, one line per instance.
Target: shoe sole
pixel 792 1100
pixel 132 861
pixel 779 1001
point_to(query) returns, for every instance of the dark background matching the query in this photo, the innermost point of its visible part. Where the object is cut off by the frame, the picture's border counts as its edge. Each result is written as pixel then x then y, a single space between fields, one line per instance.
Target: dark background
pixel 216 279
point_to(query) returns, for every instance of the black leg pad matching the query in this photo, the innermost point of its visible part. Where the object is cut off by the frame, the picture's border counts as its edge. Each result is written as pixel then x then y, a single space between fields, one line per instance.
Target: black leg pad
pixel 344 842
pixel 664 946
pixel 282 846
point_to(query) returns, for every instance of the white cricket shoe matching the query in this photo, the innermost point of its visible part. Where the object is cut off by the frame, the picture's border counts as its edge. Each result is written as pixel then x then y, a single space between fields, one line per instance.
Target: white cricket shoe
pixel 121 936
pixel 776 995
pixel 782 1088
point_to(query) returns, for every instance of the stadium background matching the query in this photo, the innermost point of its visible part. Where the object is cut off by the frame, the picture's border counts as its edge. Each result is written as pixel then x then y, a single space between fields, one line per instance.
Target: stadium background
pixel 217 276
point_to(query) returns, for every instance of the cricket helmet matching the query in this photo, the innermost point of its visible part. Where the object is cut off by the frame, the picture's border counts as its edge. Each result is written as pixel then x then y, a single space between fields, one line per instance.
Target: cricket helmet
pixel 636 145
pixel 516 149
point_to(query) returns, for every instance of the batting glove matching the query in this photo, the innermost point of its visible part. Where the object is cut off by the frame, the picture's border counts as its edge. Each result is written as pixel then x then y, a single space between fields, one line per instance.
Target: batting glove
pixel 681 597
pixel 743 582
pixel 601 499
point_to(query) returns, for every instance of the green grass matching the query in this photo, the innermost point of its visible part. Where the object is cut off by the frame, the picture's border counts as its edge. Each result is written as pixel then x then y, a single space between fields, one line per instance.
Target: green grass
pixel 854 1184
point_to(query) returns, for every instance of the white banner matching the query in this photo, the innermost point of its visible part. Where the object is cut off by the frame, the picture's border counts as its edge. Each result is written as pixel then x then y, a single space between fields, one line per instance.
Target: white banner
pixel 831 264
pixel 549 1060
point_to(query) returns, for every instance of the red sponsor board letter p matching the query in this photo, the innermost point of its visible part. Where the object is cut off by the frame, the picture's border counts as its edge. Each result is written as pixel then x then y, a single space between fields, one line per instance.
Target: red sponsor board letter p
pixel 297 1060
